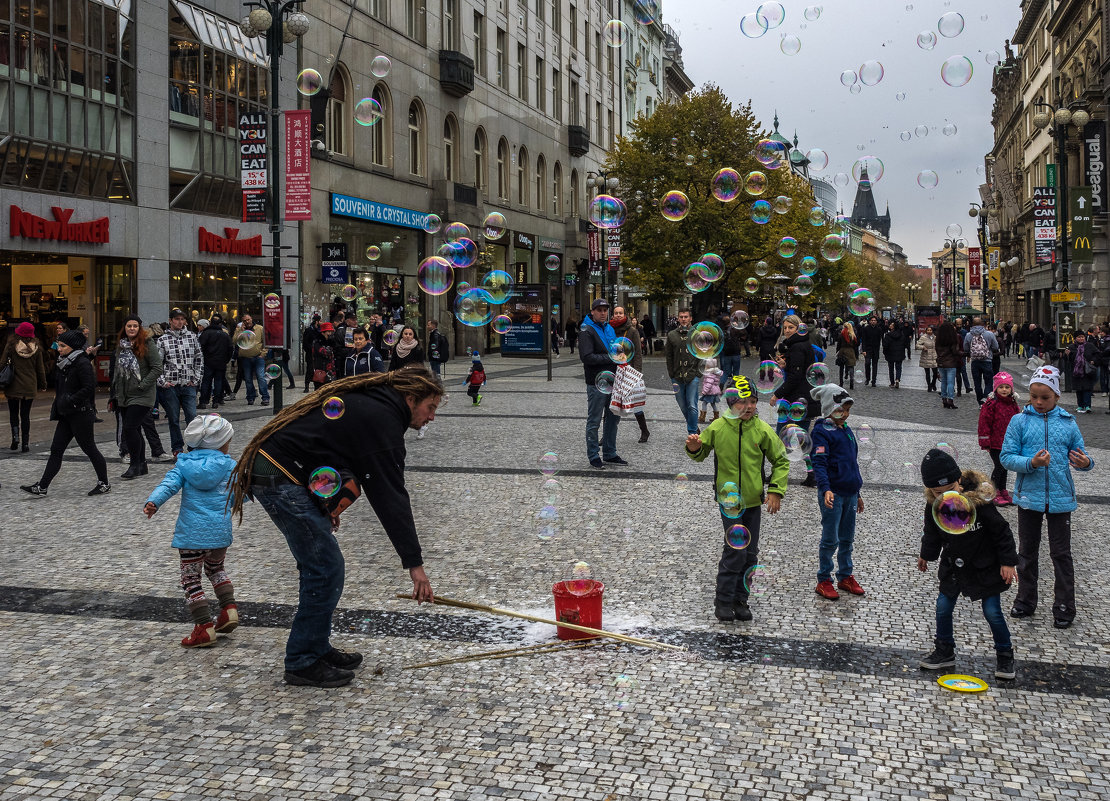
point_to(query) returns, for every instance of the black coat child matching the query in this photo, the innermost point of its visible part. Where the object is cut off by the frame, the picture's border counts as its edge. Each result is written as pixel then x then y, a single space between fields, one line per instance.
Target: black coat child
pixel 74 388
pixel 971 563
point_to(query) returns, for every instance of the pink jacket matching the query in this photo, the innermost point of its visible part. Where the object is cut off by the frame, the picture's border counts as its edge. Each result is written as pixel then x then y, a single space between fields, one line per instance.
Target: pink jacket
pixel 994 418
pixel 711 382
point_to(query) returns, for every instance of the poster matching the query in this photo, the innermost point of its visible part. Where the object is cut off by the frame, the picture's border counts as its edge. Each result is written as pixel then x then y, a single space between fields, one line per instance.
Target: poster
pixel 975 268
pixel 273 321
pixel 526 309
pixel 1044 224
pixel 298 178
pixel 254 172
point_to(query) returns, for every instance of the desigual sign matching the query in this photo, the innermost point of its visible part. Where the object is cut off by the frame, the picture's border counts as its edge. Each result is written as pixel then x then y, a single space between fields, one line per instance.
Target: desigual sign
pixel 60 229
pixel 208 242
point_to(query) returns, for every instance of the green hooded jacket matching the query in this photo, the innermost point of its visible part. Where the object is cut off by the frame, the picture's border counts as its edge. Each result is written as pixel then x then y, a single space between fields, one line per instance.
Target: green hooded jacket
pixel 740 447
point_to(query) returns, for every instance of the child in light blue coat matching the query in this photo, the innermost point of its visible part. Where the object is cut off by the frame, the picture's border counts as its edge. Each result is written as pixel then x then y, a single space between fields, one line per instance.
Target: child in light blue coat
pixel 203 531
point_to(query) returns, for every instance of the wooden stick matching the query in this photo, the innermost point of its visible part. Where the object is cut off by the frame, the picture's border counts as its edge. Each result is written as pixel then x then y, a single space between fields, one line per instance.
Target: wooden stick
pixel 508 653
pixel 573 626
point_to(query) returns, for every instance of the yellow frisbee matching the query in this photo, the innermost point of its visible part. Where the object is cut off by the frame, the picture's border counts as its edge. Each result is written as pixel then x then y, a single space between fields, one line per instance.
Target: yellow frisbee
pixel 957 682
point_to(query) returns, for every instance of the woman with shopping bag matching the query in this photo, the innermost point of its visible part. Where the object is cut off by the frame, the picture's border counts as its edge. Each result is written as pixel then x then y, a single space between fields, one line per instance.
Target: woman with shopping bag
pixel 624 326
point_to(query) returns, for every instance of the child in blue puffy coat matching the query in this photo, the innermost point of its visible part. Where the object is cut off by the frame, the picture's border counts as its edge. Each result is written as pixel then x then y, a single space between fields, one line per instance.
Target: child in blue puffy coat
pixel 203 531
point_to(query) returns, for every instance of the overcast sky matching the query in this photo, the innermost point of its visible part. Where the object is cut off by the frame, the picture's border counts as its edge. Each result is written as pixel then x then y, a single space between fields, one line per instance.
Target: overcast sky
pixel 806 90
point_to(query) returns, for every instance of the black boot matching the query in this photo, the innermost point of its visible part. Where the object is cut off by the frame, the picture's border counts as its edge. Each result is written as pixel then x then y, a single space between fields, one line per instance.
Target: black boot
pixel 943 656
pixel 1004 668
pixel 134 470
pixel 15 438
pixel 644 433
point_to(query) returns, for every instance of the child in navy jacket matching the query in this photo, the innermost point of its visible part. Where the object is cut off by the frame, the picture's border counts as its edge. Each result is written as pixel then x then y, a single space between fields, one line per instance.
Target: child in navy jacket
pixel 836 468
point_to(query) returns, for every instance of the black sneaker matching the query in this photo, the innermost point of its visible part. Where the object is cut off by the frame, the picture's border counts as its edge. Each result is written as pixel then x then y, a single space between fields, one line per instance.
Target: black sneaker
pixel 743 612
pixel 943 656
pixel 34 489
pixel 811 480
pixel 725 614
pixel 1004 668
pixel 100 489
pixel 597 463
pixel 342 659
pixel 319 674
pixel 615 460
pixel 1016 612
pixel 265 403
pixel 1060 622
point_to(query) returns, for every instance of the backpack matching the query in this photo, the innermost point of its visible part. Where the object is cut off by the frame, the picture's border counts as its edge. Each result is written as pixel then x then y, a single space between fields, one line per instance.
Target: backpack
pixel 979 347
pixel 477 377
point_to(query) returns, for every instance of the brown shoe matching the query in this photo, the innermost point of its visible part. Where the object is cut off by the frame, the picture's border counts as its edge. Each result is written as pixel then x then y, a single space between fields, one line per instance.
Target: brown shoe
pixel 826 590
pixel 701 416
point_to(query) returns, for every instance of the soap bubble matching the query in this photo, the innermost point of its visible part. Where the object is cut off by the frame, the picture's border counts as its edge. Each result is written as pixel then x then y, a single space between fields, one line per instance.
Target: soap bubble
pixel 768 377
pixel 674 205
pixel 245 340
pixel 818 374
pixel 757 581
pixel 380 66
pixel 900 96
pixel 349 292
pixel 752 26
pixel 841 179
pixel 435 275
pixel 871 73
pixel 548 463
pixel 926 40
pixel 928 179
pixel 848 77
pixel 502 324
pixel 788 246
pixel 956 71
pixel 770 153
pixel 762 268
pixel 607 212
pixel 368 111
pixel 949 449
pixel 645 12
pixel 855 88
pixel 949 129
pixel 739 320
pixel 954 513
pixel 816 216
pixel 726 185
pixel 797 411
pixel 861 302
pixel 432 224
pixel 954 231
pixel 832 248
pixel 472 307
pixel 761 212
pixel 604 382
pixel 782 204
pixel 499 284
pixel 621 350
pixel 456 231
pixel 755 184
pixel 921 131
pixel 872 164
pixel 818 159
pixel 681 482
pixel 273 372
pixel 951 25
pixel 614 33
pixel 751 286
pixel 790 45
pixel 773 14
pixel 373 252
pixel 309 82
pixel 865 434
pixel 714 266
pixel 494 226
pixel 803 285
pixel 324 482
pixel 812 13
pixel 993 58
pixel 738 537
pixel 808 267
pixel 694 277
pixel 782 410
pixel 690 159
pixel 797 442
pixel 706 341
pixel 552 263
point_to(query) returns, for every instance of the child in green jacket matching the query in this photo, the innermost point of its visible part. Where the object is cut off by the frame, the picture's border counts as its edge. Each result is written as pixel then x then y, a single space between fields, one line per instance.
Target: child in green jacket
pixel 740 441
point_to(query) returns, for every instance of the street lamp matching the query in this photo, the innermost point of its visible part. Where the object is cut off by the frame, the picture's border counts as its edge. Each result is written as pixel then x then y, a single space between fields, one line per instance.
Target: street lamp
pixel 979 213
pixel 281 23
pixel 911 290
pixel 954 244
pixel 604 183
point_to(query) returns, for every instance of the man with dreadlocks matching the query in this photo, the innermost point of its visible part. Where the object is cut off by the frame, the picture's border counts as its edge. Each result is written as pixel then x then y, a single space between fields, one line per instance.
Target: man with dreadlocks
pixel 312 461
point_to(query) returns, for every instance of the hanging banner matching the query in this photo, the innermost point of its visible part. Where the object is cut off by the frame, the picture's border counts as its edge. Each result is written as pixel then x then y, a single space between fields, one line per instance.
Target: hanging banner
pixel 298 177
pixel 1094 148
pixel 333 263
pixel 994 279
pixel 254 173
pixel 1080 203
pixel 273 321
pixel 593 244
pixel 1044 224
pixel 974 268
pixel 936 289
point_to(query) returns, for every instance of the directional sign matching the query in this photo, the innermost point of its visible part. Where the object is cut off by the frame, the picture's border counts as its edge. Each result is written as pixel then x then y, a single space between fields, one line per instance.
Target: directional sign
pixel 1065 328
pixel 1065 297
pixel 1080 207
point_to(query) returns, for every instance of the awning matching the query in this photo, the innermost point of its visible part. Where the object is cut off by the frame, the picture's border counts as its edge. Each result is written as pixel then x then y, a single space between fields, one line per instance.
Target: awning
pixel 221 34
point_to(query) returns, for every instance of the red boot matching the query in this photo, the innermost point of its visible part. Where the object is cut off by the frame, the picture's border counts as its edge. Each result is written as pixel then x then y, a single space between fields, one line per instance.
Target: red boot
pixel 202 636
pixel 228 620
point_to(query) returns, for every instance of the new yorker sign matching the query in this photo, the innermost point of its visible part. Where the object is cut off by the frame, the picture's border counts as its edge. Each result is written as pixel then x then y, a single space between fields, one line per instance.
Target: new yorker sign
pixel 208 242
pixel 30 226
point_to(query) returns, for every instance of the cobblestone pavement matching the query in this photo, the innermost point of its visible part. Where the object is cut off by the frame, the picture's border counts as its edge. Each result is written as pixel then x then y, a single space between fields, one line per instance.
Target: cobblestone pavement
pixel 811 700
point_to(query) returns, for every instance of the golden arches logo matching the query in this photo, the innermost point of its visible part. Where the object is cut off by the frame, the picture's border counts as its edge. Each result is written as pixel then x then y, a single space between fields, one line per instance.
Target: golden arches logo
pixel 1082 243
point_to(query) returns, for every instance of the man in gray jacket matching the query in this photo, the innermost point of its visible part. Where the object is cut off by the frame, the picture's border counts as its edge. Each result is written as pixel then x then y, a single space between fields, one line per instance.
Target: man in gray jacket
pixel 682 367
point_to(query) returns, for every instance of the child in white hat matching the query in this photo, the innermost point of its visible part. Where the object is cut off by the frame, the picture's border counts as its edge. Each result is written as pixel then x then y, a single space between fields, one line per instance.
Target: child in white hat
pixel 203 531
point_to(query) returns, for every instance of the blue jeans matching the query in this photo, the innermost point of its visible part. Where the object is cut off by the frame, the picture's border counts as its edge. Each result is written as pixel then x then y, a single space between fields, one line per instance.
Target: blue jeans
pixel 687 397
pixel 961 376
pixel 982 373
pixel 992 611
pixel 838 532
pixel 176 400
pixel 730 365
pixel 254 369
pixel 597 407
pixel 948 382
pixel 437 369
pixel 320 564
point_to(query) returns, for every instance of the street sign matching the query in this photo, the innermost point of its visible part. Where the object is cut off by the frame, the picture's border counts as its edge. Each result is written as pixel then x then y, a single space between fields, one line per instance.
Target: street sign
pixel 1080 206
pixel 1065 328
pixel 1065 297
pixel 1050 175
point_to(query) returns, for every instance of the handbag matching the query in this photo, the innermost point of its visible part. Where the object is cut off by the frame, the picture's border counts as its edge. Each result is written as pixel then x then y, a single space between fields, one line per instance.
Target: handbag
pixel 629 391
pixel 319 376
pixel 7 375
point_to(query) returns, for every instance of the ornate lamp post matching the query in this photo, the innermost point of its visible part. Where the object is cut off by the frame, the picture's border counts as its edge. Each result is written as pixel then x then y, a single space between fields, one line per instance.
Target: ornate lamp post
pixel 604 183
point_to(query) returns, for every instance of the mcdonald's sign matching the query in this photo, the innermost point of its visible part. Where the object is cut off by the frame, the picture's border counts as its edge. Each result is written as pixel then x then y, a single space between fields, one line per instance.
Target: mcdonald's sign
pixel 1079 212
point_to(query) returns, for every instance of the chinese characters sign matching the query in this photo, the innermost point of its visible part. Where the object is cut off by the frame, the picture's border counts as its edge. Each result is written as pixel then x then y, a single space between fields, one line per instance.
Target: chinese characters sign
pixel 298 179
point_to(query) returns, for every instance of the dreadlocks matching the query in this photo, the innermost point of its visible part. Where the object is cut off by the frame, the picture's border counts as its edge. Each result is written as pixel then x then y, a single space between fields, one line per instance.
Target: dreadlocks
pixel 414 382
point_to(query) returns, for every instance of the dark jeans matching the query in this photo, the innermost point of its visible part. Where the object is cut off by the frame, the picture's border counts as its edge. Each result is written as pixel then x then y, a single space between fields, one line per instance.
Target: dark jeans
pixel 847 374
pixel 307 369
pixel 74 427
pixel 437 369
pixel 870 368
pixel 730 365
pixel 895 371
pixel 961 375
pixel 133 417
pixel 735 563
pixel 150 431
pixel 998 475
pixel 238 376
pixel 19 415
pixel 597 410
pixel 177 401
pixel 1059 548
pixel 307 531
pixel 932 376
pixel 1083 398
pixel 992 611
pixel 982 372
pixel 213 384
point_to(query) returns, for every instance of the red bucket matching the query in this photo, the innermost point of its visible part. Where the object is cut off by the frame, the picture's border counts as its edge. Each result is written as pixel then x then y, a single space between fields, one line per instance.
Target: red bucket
pixel 581 607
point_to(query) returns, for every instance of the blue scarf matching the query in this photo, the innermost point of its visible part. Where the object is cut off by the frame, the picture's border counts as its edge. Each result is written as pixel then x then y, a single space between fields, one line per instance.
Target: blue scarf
pixel 607 335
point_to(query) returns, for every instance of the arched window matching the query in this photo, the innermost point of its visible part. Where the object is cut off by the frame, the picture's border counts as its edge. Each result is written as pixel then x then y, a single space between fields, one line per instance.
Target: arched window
pixel 541 184
pixel 574 207
pixel 522 177
pixel 480 160
pixel 503 169
pixel 337 120
pixel 416 139
pixel 450 154
pixel 380 143
pixel 557 190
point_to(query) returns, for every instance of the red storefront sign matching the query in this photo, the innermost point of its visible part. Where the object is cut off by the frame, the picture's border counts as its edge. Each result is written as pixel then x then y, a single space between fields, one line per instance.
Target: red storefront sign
pixel 298 178
pixel 208 242
pixel 273 321
pixel 289 276
pixel 975 268
pixel 30 226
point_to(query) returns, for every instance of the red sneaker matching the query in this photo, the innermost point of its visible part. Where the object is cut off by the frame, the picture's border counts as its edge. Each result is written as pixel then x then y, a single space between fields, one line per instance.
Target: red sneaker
pixel 826 590
pixel 228 620
pixel 202 636
pixel 850 585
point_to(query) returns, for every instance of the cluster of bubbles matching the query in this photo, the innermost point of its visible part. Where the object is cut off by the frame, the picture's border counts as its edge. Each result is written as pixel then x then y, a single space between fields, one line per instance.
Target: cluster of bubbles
pixel 547 518
pixel 367 111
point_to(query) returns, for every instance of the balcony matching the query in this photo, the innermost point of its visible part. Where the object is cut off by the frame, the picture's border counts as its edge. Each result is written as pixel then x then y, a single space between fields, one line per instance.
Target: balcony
pixel 456 73
pixel 578 140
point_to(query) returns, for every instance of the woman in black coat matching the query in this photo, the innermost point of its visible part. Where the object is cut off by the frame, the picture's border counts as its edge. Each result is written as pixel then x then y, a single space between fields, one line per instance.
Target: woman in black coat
pixel 894 351
pixel 795 357
pixel 407 350
pixel 768 339
pixel 74 408
pixel 1085 370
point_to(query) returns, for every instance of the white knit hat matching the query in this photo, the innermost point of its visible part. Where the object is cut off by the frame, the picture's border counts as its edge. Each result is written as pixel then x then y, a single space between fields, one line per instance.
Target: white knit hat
pixel 208 431
pixel 1049 376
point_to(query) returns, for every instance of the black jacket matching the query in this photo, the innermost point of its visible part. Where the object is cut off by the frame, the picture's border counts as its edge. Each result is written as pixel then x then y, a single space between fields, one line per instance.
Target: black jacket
pixel 308 338
pixel 593 353
pixel 894 345
pixel 416 356
pixel 215 347
pixel 368 442
pixel 74 389
pixel 799 356
pixel 1086 382
pixel 367 360
pixel 439 349
pixel 971 563
pixel 871 339
pixel 768 336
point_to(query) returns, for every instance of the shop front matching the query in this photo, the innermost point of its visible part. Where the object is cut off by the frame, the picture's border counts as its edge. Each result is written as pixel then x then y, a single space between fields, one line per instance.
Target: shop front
pixel 206 283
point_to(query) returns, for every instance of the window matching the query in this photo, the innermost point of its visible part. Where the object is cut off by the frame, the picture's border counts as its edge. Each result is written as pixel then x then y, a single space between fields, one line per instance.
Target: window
pixel 574 207
pixel 586 109
pixel 450 137
pixel 480 160
pixel 557 95
pixel 380 142
pixel 647 107
pixel 541 89
pixel 541 5
pixel 414 19
pixel 503 170
pixel 586 43
pixel 573 26
pixel 522 72
pixel 612 129
pixel 479 44
pixel 557 21
pixel 557 190
pixel 336 119
pixel 450 24
pixel 541 184
pixel 522 177
pixel 502 67
pixel 416 139
pixel 377 9
pixel 597 121
pixel 575 117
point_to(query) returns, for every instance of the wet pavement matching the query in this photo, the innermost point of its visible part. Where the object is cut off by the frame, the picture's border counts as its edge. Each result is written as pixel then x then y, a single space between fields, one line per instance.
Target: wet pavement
pixel 811 700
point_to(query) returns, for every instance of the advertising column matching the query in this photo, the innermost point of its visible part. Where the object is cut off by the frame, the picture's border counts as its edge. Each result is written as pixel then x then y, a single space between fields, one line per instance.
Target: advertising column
pixel 253 173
